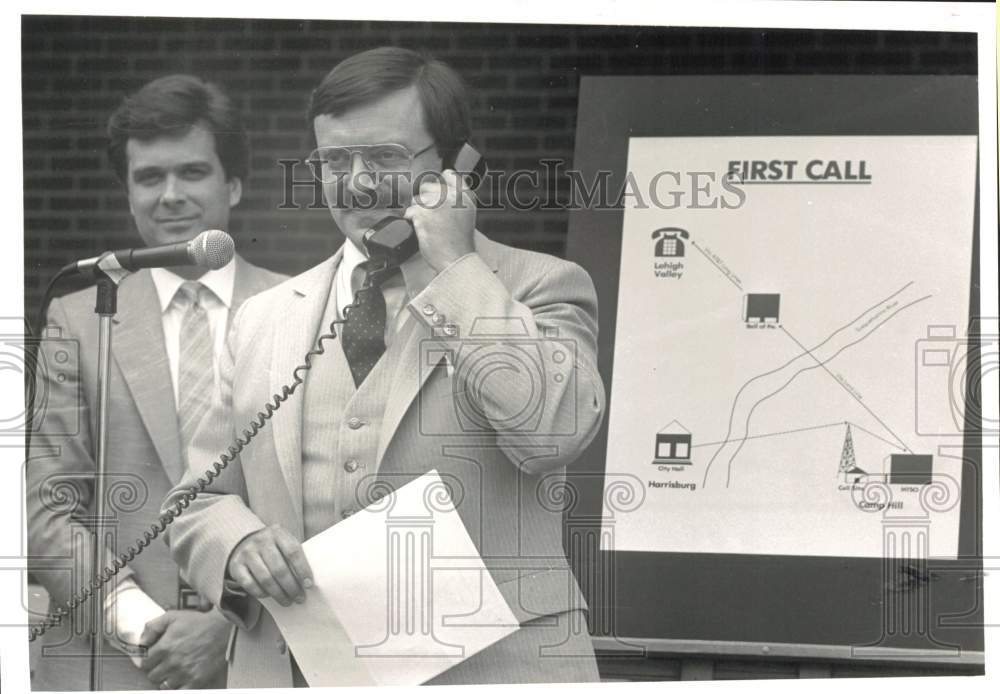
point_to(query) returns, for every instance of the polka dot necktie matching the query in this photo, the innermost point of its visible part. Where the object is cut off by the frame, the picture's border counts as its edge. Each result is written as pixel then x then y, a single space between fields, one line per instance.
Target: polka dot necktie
pixel 363 335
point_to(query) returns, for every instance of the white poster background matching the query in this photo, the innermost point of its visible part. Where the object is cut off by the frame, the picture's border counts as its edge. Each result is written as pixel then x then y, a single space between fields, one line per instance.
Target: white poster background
pixel 864 271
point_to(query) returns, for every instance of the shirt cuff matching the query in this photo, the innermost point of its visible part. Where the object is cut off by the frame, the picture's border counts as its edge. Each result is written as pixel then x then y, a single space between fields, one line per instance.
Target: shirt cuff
pixel 127 610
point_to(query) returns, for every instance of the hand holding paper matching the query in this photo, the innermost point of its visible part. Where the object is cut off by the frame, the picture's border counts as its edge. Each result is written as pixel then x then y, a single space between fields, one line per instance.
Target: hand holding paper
pixel 413 599
pixel 270 563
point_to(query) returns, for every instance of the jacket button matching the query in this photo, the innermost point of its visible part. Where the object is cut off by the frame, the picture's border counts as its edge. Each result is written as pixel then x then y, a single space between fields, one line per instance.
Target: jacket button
pixel 282 646
pixel 346 513
pixel 429 309
pixel 438 318
pixel 451 330
pixel 354 423
pixel 351 465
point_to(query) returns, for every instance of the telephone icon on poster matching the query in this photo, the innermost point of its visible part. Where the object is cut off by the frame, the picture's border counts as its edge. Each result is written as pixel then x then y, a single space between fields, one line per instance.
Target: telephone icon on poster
pixel 669 243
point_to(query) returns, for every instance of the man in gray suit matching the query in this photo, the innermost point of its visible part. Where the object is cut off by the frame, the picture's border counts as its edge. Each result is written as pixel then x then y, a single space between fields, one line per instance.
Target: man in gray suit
pixel 180 150
pixel 380 407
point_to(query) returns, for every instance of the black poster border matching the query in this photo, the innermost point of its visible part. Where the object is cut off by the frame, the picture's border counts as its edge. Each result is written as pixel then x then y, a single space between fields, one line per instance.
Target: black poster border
pixel 645 596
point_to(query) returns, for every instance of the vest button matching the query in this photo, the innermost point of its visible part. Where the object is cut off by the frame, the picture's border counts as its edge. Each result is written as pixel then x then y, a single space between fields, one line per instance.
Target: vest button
pixel 429 309
pixel 282 646
pixel 351 465
pixel 451 330
pixel 438 318
pixel 354 423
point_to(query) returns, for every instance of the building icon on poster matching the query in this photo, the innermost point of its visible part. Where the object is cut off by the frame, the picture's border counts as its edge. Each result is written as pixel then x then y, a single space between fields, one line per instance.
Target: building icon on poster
pixel 761 308
pixel 911 469
pixel 673 445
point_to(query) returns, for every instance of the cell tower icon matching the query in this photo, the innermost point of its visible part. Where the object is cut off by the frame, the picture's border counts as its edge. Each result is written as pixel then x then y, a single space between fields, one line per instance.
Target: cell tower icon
pixel 848 464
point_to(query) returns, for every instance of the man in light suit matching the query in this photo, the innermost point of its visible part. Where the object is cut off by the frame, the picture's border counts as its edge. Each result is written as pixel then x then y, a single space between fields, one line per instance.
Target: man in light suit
pixel 180 150
pixel 375 408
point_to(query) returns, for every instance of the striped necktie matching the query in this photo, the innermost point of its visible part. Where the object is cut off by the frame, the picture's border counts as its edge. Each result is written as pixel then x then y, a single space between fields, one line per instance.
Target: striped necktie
pixel 196 378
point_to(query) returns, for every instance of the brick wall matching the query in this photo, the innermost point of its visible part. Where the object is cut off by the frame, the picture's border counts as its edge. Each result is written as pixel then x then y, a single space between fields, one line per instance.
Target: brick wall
pixel 524 77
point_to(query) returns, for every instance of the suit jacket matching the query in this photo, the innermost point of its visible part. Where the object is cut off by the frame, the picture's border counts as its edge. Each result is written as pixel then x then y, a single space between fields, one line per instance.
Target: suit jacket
pixel 143 462
pixel 508 469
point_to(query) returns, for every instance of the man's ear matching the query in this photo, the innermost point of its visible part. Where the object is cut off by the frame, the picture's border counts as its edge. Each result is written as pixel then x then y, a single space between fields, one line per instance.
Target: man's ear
pixel 235 191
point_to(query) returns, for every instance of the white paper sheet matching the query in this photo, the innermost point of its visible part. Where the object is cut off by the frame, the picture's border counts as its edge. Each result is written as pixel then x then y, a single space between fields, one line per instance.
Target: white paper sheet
pixel 401 594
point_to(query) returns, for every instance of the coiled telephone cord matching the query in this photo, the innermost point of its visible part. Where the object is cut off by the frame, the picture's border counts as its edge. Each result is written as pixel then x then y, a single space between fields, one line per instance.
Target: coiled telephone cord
pixel 239 443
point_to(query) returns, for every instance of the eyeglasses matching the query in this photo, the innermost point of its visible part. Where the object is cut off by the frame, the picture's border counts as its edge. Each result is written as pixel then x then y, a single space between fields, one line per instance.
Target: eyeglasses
pixel 334 162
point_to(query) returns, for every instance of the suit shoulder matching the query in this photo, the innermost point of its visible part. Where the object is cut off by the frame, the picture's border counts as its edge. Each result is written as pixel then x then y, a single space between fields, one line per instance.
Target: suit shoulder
pixel 75 303
pixel 81 303
pixel 533 266
pixel 263 276
pixel 287 285
pixel 261 305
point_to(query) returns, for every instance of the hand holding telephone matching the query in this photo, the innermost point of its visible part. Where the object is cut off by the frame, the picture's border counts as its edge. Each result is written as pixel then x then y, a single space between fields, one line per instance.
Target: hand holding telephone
pixel 393 238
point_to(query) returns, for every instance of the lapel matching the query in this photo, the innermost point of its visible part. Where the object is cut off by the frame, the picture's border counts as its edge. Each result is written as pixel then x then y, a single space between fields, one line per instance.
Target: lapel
pixel 139 351
pixel 296 327
pixel 247 281
pixel 408 380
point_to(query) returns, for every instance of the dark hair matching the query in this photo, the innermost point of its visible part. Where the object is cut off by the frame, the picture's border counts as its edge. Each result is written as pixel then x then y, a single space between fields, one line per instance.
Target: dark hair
pixel 368 76
pixel 169 107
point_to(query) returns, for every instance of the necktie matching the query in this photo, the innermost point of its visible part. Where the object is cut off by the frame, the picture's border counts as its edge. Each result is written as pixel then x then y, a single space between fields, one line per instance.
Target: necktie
pixel 363 335
pixel 196 378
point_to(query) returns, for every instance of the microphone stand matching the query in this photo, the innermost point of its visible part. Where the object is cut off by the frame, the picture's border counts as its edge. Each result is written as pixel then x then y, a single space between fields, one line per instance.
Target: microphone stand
pixel 109 275
pixel 211 249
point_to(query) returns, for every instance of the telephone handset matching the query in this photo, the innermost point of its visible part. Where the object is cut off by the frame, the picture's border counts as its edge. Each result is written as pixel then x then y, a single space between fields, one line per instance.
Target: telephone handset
pixel 392 239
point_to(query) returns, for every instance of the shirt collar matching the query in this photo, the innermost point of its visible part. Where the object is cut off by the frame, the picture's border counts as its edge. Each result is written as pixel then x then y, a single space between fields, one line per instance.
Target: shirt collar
pixel 220 282
pixel 417 272
pixel 352 257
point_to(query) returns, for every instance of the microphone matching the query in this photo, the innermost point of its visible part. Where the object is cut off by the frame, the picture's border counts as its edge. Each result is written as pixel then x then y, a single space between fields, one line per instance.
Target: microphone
pixel 210 249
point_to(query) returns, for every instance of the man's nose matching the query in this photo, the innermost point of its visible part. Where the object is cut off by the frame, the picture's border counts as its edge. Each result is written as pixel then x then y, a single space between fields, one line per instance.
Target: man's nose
pixel 360 179
pixel 173 191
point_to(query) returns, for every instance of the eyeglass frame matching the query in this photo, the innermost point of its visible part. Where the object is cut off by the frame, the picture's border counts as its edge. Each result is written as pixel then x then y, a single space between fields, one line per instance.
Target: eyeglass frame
pixel 353 150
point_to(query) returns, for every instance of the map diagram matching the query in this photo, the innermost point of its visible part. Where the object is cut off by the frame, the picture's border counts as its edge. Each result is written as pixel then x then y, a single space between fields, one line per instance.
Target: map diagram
pixel 789 371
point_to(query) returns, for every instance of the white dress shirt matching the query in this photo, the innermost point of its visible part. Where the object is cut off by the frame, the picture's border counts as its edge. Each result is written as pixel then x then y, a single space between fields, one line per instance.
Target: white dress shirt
pixel 218 300
pixel 398 291
pixel 128 608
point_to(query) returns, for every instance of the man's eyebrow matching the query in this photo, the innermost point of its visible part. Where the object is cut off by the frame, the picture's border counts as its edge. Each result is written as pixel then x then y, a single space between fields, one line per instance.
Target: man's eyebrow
pixel 152 168
pixel 155 168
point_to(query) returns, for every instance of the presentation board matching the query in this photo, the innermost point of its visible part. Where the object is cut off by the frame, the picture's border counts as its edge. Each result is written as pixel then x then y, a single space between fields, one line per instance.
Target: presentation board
pixel 775 337
pixel 789 339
